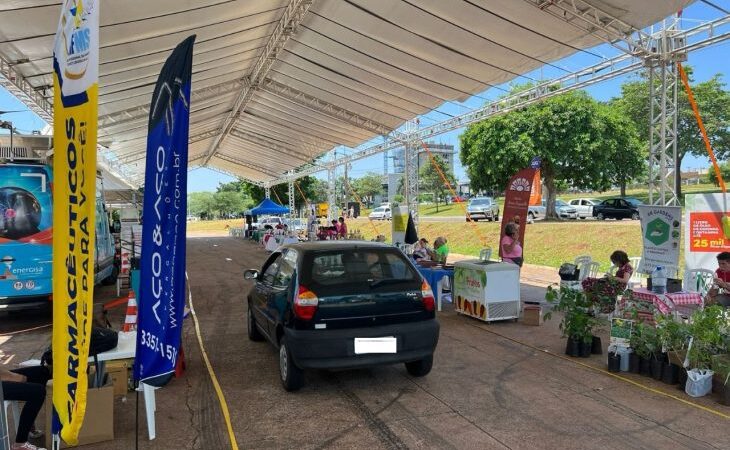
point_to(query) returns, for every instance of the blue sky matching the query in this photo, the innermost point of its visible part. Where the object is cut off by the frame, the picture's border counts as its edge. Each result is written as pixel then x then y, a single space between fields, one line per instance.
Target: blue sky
pixel 706 63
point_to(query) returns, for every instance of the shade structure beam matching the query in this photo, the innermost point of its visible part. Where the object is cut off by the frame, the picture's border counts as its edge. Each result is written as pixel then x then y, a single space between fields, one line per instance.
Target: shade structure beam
pixel 138 113
pixel 328 109
pixel 293 15
pixel 592 19
pixel 18 86
pixel 269 144
pixel 248 164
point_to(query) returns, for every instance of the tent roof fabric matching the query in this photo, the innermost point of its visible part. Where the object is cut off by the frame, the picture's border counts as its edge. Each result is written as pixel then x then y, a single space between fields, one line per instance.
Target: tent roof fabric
pixel 268 206
pixel 385 62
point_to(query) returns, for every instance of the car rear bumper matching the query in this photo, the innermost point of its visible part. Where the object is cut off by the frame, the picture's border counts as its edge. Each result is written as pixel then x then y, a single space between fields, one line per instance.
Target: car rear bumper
pixel 335 349
pixel 481 214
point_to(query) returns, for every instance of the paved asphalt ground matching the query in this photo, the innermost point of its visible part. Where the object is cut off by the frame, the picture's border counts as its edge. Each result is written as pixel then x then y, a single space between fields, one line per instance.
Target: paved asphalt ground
pixel 500 385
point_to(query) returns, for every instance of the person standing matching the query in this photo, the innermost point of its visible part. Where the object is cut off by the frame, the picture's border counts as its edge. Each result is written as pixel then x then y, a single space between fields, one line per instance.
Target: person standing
pixel 511 246
pixel 342 229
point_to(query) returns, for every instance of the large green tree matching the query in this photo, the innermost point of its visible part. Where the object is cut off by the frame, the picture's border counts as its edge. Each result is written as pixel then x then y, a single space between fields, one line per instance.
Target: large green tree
pixel 231 203
pixel 368 186
pixel 713 102
pixel 577 138
pixel 201 204
pixel 433 177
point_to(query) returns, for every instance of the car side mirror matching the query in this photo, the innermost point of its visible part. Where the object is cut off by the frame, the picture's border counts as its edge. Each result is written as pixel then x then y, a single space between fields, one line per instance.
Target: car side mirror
pixel 251 274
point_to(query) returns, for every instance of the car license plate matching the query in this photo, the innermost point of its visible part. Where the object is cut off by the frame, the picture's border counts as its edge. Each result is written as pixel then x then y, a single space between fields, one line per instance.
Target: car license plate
pixel 375 345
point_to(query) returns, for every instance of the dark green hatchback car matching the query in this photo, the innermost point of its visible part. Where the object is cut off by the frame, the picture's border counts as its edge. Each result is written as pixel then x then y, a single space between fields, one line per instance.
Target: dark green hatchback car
pixel 342 304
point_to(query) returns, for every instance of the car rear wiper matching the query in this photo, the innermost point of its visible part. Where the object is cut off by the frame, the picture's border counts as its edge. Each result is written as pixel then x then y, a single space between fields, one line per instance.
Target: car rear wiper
pixel 377 283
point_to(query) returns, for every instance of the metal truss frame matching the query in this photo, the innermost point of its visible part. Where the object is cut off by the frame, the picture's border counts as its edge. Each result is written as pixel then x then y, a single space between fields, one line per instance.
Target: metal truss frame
pixel 588 18
pixel 285 28
pixel 410 177
pixel 17 85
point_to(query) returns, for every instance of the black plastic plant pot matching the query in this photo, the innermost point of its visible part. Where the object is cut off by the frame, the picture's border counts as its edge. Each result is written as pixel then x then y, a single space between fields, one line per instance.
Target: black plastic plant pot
pixel 670 373
pixel 596 346
pixel 572 347
pixel 657 369
pixel 585 349
pixel 614 362
pixel 725 394
pixel 634 363
pixel 682 378
pixel 645 367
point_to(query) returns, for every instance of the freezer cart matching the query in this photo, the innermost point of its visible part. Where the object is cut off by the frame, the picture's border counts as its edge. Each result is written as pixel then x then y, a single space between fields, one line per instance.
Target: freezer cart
pixel 487 290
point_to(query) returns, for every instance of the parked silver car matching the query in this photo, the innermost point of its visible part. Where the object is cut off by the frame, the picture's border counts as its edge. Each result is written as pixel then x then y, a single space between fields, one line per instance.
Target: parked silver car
pixel 564 210
pixel 482 208
pixel 584 206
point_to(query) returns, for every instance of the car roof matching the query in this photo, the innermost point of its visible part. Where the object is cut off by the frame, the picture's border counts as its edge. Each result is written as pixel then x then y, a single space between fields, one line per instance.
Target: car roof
pixel 337 245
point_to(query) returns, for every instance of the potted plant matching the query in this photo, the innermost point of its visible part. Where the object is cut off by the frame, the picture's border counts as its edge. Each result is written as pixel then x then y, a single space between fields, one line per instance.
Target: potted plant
pixel 721 367
pixel 643 341
pixel 708 328
pixel 577 324
pixel 674 337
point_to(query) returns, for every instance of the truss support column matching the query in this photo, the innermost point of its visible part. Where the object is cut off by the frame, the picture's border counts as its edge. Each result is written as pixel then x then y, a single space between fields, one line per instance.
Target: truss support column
pixel 663 83
pixel 291 197
pixel 331 196
pixel 267 191
pixel 410 180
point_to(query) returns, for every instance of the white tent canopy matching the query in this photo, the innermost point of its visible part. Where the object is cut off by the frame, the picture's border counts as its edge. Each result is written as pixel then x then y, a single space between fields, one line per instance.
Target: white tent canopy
pixel 277 83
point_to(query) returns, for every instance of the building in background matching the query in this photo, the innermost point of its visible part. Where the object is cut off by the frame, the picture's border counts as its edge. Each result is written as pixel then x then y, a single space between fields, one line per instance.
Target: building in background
pixel 392 180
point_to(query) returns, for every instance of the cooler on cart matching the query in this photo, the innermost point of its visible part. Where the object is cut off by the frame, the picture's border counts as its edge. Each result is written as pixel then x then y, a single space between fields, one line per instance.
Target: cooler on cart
pixel 487 290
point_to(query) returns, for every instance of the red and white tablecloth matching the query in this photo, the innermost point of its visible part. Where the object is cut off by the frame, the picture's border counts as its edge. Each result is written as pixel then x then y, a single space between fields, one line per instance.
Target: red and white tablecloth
pixel 665 303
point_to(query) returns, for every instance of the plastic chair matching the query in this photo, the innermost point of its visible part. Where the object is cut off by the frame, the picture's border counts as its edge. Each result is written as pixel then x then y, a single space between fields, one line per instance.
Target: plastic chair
pixel 698 280
pixel 11 406
pixel 582 259
pixel 592 269
pixel 637 277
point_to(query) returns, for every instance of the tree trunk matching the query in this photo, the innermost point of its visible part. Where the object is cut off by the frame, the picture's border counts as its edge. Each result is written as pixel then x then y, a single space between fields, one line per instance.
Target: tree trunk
pixel 623 188
pixel 549 178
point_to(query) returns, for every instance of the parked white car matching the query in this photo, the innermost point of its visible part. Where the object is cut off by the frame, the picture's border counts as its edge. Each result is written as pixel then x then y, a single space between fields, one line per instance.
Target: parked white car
pixel 584 206
pixel 381 213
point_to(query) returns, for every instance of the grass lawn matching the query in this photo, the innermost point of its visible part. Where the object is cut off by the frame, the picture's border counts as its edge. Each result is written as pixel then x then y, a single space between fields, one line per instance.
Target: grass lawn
pixel 546 243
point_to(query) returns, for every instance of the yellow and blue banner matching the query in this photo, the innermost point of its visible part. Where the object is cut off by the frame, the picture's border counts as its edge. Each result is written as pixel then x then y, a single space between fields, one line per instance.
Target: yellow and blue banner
pixel 161 296
pixel 75 83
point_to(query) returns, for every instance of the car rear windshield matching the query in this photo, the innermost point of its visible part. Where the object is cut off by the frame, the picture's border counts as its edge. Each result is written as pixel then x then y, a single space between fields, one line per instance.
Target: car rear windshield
pixel 349 271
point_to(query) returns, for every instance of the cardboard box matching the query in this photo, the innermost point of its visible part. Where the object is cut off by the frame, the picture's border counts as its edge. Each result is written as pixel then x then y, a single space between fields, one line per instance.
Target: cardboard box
pixel 532 315
pixel 98 423
pixel 119 372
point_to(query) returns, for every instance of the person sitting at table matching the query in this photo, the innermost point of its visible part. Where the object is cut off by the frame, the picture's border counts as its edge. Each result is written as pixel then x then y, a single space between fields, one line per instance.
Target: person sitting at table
pixel 720 291
pixel 603 291
pixel 422 252
pixel 441 250
pixel 27 384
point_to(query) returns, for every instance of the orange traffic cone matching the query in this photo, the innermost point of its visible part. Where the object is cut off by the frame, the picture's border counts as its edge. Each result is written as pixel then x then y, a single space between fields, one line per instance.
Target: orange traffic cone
pixel 130 321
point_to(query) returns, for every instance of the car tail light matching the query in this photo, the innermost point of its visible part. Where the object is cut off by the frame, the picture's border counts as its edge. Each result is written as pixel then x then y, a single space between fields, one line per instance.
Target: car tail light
pixel 427 296
pixel 305 303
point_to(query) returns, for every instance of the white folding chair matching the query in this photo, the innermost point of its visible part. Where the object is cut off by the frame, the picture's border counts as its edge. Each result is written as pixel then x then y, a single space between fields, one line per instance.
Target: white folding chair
pixel 582 259
pixel 636 277
pixel 592 269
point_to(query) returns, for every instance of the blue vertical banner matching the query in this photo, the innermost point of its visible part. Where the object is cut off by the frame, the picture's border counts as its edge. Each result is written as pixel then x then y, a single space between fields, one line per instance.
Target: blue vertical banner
pixel 161 296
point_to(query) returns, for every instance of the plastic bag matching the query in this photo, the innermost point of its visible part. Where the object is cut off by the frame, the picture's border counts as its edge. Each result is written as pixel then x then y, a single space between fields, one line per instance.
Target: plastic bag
pixel 699 382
